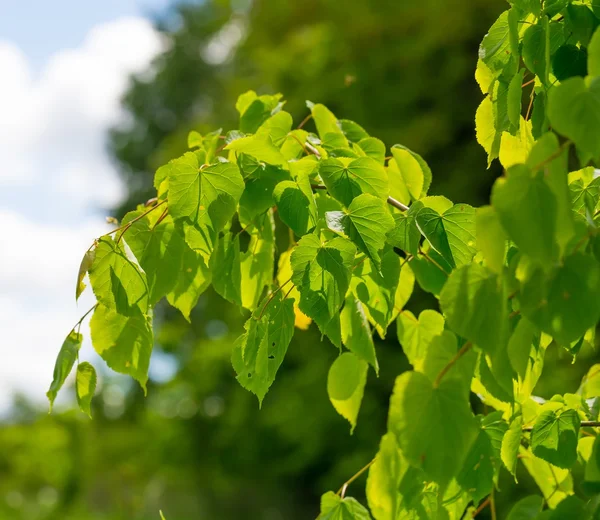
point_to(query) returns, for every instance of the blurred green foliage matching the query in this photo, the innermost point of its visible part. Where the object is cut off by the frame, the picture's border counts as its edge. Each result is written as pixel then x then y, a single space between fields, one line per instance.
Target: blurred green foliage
pixel 198 447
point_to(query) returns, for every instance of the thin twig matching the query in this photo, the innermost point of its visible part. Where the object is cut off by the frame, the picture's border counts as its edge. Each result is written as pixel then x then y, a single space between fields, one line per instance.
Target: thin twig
pixel 313 150
pixel 134 220
pixel 530 105
pixel 304 121
pixel 554 155
pixel 397 204
pixel 481 507
pixel 584 424
pixel 78 324
pixel 493 504
pixel 390 200
pixel 273 294
pixel 464 349
pixel 161 218
pixel 427 257
pixel 528 83
pixel 299 142
pixel 342 490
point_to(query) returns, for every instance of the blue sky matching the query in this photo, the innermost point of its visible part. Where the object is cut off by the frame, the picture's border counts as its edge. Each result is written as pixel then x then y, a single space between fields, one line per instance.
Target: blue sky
pixel 42 27
pixel 64 65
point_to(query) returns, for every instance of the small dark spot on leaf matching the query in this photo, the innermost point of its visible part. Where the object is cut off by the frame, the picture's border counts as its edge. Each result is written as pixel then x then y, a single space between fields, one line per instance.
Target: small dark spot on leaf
pixel 271 356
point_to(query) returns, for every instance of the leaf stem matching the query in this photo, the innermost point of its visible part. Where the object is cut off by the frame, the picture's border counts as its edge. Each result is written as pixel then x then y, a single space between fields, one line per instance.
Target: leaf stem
pixel 584 424
pixel 493 504
pixel 554 155
pixel 78 324
pixel 390 200
pixel 304 121
pixel 342 490
pixel 481 507
pixel 273 294
pixel 464 349
pixel 126 226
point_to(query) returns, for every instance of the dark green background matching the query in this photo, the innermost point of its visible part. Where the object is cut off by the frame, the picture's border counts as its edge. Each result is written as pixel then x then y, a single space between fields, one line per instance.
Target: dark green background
pixel 198 447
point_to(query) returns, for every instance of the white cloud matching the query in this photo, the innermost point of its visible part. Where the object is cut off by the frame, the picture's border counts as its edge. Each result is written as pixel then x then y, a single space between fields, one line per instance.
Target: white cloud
pixel 54 173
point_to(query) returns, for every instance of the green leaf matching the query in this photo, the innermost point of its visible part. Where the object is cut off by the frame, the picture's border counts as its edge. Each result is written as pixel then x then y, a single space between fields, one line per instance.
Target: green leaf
pixel 258 262
pixel 254 110
pixel 591 484
pixel 527 508
pixel 333 507
pixel 441 352
pixel 373 148
pixel 571 507
pixel 431 271
pixel 347 178
pixel 474 304
pixel 398 188
pixel 585 195
pixel 519 346
pixel 394 488
pixel 384 480
pixel 356 333
pixel 86 262
pixel 258 354
pixel 346 385
pixel 204 198
pixel 193 279
pixel 574 111
pixel 555 177
pixel 326 122
pixel 85 386
pixel 296 205
pixel 417 410
pixel 124 342
pixel 377 289
pixel 451 234
pixel 590 385
pixel 554 483
pixel 594 54
pixel 511 443
pixel 414 170
pixel 485 129
pixel 514 96
pixel 64 364
pixel 261 147
pixel 277 127
pixel 159 248
pixel 415 336
pixel 569 61
pixel 258 193
pixel 554 437
pixel 478 471
pixel 366 222
pixel 353 131
pixel 491 239
pixel 565 302
pixel 535 51
pixel 321 272
pixel 524 203
pixel 225 265
pixel 405 234
pixel 117 279
pixel 494 50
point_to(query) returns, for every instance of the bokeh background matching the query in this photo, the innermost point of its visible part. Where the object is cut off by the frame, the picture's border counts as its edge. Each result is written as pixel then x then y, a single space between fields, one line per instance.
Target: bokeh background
pixel 94 96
